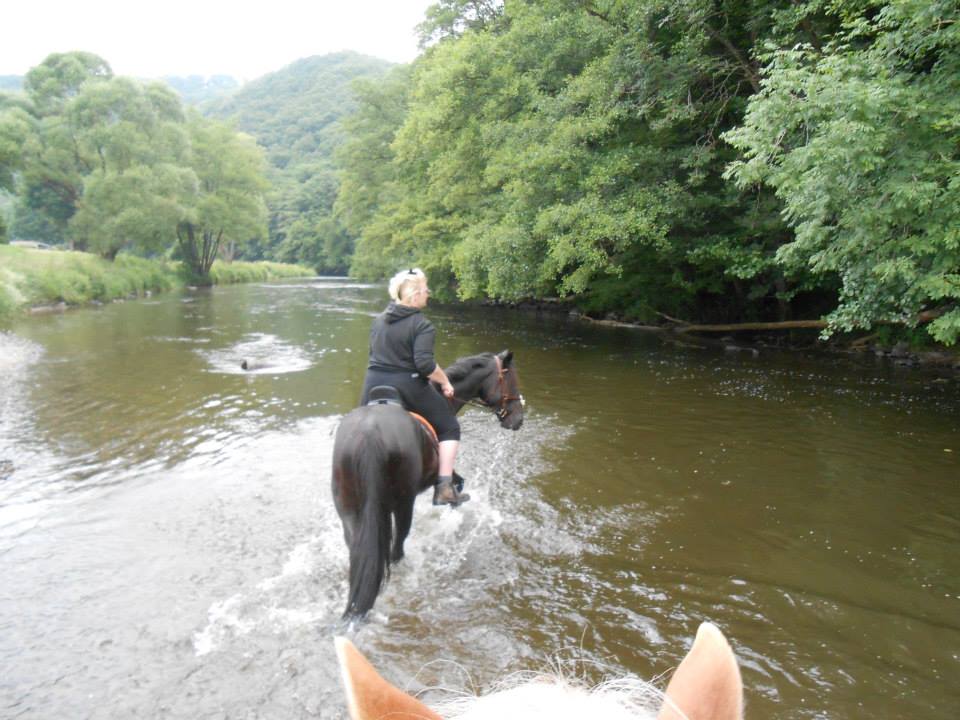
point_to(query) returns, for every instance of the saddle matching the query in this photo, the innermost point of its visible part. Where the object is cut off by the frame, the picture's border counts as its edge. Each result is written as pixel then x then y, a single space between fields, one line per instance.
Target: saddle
pixel 389 395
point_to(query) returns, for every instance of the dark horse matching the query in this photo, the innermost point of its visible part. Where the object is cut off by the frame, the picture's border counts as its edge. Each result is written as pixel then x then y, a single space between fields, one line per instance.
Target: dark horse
pixel 383 458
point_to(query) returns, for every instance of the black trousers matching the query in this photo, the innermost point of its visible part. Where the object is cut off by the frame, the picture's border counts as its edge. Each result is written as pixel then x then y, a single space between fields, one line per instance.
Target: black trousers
pixel 419 395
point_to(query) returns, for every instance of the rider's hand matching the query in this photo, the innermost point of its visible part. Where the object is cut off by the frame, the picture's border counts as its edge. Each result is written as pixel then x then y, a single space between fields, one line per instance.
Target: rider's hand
pixel 447 389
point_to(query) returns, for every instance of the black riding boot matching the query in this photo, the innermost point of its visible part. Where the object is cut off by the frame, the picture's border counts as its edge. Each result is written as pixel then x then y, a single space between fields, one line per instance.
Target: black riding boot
pixel 445 492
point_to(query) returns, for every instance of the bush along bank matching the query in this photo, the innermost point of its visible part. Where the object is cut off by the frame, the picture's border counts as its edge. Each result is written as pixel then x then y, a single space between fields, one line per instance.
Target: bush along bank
pixel 35 280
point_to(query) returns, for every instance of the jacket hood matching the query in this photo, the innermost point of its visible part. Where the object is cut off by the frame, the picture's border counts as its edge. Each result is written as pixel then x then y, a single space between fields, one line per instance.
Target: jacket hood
pixel 395 311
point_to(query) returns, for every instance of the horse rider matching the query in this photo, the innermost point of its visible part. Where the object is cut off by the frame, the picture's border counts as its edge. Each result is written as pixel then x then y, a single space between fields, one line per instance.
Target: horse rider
pixel 401 355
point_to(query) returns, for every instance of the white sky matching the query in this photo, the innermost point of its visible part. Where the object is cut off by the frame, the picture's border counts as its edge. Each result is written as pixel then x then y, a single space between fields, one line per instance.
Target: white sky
pixel 206 37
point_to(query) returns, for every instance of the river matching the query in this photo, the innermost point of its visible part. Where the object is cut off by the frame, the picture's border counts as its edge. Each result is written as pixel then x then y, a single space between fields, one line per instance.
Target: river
pixel 169 548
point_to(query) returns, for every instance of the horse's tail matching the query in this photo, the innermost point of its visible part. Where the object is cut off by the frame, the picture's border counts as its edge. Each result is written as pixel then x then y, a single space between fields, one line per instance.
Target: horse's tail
pixel 370 549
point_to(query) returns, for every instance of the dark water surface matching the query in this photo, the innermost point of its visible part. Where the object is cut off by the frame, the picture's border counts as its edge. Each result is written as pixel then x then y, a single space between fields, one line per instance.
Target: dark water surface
pixel 168 547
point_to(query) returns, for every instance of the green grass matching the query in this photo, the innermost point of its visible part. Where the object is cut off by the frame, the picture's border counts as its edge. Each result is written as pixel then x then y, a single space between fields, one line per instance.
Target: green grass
pixel 30 277
pixel 239 272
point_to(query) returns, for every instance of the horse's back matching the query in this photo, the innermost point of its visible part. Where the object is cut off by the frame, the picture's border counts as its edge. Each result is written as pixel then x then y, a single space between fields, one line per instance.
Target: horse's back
pixel 383 442
pixel 388 427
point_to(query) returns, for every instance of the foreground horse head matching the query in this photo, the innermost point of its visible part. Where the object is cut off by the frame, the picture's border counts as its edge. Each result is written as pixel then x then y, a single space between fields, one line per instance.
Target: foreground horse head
pixel 706 686
pixel 383 458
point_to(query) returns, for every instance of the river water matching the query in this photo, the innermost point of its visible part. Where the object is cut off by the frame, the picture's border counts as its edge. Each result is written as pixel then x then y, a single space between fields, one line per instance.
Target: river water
pixel 169 548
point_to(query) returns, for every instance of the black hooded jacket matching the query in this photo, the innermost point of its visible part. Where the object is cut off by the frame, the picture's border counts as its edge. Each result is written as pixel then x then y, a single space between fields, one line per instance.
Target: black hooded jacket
pixel 401 340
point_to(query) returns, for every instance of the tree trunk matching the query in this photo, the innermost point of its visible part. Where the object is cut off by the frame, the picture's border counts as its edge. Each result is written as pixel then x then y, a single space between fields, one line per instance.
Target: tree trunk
pixel 228 251
pixel 733 327
pixel 187 239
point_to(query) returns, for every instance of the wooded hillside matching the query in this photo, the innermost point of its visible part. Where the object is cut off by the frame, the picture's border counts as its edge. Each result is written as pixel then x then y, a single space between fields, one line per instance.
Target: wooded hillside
pixel 295 115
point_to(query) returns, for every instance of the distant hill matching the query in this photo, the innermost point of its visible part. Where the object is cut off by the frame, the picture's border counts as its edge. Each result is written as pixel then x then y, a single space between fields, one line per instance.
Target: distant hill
pixel 11 82
pixel 197 89
pixel 294 112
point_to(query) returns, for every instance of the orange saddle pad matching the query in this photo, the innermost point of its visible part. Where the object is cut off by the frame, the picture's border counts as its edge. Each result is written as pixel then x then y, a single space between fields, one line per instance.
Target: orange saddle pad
pixel 426 425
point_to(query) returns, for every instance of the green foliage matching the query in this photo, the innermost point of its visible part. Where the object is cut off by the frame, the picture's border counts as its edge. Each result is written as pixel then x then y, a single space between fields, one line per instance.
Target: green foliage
pixel 449 19
pixel 240 272
pixel 52 83
pixel 861 142
pixel 544 150
pixel 293 112
pixel 41 277
pixel 137 147
pixel 368 174
pixel 295 115
pixel 718 160
pixel 77 118
pixel 38 277
pixel 30 224
pixel 15 128
pixel 227 201
pixel 112 164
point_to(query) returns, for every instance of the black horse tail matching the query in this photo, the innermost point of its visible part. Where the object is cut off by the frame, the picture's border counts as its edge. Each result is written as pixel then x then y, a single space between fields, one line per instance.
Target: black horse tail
pixel 370 549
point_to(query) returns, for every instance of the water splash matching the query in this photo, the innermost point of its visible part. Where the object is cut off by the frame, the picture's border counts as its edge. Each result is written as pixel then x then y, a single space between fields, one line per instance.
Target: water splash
pixel 262 353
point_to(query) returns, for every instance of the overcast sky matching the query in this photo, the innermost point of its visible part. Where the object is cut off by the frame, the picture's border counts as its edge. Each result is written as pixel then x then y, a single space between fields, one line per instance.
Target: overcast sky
pixel 206 37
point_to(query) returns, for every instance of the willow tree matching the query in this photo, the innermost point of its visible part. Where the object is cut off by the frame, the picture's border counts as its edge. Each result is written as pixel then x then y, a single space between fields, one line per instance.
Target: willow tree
pixel 227 201
pixel 52 166
pixel 133 138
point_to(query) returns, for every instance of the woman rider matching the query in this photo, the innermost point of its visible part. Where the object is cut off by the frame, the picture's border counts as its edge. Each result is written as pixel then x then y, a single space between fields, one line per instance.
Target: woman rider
pixel 401 355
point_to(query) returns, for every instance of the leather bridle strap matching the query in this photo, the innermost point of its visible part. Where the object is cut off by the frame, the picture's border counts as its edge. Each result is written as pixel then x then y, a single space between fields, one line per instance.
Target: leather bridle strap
pixel 505 397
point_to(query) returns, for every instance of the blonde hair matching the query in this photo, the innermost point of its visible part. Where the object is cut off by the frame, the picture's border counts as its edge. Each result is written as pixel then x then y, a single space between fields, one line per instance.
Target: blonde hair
pixel 403 279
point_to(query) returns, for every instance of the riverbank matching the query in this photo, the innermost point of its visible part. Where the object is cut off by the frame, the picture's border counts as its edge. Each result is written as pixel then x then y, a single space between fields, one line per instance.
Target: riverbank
pixel 39 280
pixel 886 346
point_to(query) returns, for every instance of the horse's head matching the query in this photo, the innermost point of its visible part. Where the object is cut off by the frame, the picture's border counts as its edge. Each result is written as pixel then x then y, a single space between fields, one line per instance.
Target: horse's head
pixel 706 686
pixel 501 391
pixel 493 379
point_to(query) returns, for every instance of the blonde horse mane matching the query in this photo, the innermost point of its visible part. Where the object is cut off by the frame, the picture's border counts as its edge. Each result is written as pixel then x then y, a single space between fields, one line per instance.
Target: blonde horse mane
pixel 705 686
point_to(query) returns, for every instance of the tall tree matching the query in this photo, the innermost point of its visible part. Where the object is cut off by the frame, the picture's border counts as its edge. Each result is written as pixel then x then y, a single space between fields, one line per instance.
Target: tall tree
pixel 15 127
pixel 368 172
pixel 228 199
pixel 53 167
pixel 133 138
pixel 52 83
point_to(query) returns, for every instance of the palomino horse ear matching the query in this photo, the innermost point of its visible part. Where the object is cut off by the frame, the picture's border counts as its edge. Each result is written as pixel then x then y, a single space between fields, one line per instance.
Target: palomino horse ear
pixel 506 357
pixel 707 684
pixel 369 696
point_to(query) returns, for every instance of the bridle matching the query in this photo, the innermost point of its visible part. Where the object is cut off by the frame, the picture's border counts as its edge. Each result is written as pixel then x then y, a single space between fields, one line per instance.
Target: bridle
pixel 499 409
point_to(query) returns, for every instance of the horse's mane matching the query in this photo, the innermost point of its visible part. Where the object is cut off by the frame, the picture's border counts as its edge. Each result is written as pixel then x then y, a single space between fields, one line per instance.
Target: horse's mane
pixel 465 365
pixel 558 698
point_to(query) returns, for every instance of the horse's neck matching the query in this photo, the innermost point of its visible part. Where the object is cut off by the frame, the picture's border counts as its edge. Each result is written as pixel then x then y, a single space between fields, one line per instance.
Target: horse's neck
pixel 469 387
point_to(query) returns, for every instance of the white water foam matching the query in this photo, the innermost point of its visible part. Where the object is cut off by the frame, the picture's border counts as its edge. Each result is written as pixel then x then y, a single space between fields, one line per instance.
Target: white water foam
pixel 462 548
pixel 265 355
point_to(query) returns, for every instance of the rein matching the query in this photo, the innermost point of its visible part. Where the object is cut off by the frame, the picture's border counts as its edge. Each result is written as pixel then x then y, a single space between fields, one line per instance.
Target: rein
pixel 499 409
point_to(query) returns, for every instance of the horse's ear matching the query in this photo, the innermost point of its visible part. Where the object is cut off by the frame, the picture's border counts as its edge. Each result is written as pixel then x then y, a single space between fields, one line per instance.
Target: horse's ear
pixel 706 685
pixel 506 357
pixel 369 696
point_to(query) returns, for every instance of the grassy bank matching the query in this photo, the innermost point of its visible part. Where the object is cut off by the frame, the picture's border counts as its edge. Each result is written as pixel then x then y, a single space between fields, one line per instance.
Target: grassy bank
pixel 30 278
